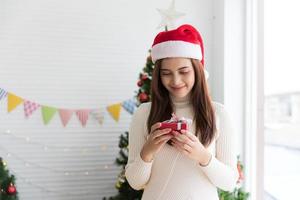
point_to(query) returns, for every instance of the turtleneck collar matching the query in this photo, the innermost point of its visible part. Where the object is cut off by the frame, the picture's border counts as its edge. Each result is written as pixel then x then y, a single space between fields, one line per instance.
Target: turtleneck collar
pixel 180 102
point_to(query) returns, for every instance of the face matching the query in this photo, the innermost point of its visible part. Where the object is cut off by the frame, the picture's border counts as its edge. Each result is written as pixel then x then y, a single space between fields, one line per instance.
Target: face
pixel 178 76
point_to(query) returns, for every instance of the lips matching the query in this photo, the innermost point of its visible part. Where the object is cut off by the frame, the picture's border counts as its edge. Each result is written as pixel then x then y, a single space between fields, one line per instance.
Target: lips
pixel 177 88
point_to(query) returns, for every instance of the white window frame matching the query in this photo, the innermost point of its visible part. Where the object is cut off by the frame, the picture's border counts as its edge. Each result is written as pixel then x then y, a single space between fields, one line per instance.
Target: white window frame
pixel 254 100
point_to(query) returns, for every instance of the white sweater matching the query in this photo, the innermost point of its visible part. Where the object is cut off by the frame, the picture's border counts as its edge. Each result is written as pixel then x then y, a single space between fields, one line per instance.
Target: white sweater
pixel 174 176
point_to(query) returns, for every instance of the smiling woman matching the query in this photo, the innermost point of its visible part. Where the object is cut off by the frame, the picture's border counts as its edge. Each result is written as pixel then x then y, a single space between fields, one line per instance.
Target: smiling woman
pixel 184 164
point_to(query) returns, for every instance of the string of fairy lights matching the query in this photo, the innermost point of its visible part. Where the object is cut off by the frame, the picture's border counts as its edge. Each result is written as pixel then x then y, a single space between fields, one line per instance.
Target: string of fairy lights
pixel 55 191
pixel 48 148
pixel 66 172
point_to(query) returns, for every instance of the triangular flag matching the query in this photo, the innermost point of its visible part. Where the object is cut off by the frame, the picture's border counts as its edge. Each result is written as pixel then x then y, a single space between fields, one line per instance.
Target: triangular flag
pixel 83 115
pixel 30 107
pixel 65 115
pixel 98 114
pixel 13 101
pixel 3 93
pixel 115 110
pixel 48 113
pixel 129 105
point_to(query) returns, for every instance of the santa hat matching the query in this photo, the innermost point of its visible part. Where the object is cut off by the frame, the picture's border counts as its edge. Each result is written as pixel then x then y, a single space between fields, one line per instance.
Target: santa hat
pixel 185 41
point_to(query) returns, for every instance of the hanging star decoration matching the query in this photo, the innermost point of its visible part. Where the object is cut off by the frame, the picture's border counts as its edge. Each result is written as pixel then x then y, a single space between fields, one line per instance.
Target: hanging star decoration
pixel 169 16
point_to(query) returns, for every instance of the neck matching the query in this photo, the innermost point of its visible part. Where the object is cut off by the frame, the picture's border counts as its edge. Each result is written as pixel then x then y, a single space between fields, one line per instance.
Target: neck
pixel 180 101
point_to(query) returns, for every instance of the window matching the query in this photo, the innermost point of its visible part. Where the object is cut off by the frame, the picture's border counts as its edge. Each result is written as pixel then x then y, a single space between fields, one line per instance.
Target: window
pixel 281 100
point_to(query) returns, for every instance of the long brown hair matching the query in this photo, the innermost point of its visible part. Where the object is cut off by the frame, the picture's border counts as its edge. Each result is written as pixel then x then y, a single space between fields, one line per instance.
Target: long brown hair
pixel 161 104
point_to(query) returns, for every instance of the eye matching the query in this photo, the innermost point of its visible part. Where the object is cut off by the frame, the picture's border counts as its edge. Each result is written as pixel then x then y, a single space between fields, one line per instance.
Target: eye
pixel 165 73
pixel 184 72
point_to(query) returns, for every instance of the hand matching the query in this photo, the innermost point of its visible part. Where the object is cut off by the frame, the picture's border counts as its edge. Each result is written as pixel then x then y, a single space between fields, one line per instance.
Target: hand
pixel 189 144
pixel 156 140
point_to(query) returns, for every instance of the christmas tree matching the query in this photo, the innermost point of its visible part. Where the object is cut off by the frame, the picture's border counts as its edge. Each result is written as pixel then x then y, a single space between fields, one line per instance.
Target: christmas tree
pixel 125 191
pixel 142 96
pixel 8 190
pixel 144 83
pixel 238 193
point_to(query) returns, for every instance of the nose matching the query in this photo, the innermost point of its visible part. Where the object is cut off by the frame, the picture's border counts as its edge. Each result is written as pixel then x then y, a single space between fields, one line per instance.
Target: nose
pixel 176 80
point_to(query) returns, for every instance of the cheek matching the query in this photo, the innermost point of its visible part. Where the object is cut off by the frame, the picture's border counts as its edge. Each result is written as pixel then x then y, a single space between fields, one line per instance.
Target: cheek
pixel 191 80
pixel 164 80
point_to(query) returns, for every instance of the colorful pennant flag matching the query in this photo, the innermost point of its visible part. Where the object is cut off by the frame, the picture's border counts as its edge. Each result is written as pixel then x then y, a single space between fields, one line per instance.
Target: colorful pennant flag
pixel 115 110
pixel 83 116
pixel 3 93
pixel 48 113
pixel 65 115
pixel 129 105
pixel 30 107
pixel 13 101
pixel 98 114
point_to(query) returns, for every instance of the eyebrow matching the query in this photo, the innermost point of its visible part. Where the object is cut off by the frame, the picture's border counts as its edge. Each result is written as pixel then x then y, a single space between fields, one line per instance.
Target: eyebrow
pixel 184 67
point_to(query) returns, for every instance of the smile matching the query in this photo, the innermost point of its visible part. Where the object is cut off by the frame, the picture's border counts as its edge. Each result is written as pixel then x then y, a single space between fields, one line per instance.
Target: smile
pixel 177 88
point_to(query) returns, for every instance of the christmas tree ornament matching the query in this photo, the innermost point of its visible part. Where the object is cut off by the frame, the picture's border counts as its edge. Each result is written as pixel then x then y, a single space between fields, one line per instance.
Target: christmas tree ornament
pixel 143 97
pixel 11 189
pixel 240 170
pixel 169 16
pixel 140 83
pixel 144 77
pixel 8 189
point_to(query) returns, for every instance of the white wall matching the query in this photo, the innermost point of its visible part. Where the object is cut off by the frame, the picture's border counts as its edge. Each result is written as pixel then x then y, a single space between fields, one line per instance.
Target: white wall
pixel 77 54
pixel 228 67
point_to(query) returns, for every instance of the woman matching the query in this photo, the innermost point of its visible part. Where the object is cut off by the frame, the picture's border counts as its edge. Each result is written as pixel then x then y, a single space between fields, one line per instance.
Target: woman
pixel 186 164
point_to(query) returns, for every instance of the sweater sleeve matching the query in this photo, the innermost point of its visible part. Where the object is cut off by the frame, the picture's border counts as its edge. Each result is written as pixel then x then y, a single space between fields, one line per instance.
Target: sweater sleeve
pixel 222 169
pixel 137 171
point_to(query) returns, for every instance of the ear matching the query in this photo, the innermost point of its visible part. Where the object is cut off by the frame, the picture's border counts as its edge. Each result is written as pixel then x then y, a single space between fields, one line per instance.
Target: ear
pixel 206 74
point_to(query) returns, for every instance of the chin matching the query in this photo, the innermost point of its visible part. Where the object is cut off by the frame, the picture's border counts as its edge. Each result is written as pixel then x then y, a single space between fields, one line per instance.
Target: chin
pixel 179 95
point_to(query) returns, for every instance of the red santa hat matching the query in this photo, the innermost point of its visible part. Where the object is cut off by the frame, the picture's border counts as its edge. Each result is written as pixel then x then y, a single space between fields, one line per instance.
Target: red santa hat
pixel 185 41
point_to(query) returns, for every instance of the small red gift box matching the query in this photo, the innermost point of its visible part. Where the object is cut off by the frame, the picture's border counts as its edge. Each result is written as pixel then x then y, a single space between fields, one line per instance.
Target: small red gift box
pixel 175 126
pixel 175 123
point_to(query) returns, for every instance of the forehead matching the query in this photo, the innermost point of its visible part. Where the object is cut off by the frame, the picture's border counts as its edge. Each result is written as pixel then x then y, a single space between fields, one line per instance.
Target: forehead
pixel 175 63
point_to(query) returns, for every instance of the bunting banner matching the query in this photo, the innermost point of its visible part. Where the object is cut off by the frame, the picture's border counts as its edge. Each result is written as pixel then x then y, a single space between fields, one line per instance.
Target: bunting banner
pixel 129 105
pixel 65 116
pixel 13 101
pixel 48 112
pixel 98 114
pixel 115 110
pixel 3 94
pixel 83 116
pixel 30 107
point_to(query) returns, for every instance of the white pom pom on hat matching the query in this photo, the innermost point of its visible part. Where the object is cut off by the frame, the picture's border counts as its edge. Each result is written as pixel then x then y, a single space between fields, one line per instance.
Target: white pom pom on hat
pixel 185 41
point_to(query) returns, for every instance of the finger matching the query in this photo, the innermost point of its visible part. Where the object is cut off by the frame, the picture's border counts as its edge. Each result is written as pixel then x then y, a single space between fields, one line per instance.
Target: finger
pixel 184 139
pixel 159 133
pixel 164 138
pixel 175 133
pixel 179 148
pixel 155 127
pixel 190 135
pixel 187 147
pixel 183 145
